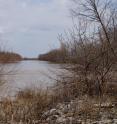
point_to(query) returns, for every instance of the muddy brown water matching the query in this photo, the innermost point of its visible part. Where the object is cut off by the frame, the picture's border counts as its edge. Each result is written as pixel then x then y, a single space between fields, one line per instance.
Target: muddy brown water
pixel 27 74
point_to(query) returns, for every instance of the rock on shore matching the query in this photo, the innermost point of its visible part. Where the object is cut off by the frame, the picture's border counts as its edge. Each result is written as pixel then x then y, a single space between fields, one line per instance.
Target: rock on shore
pixel 70 113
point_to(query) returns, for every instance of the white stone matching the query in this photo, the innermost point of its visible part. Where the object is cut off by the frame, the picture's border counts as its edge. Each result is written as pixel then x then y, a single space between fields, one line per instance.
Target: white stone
pixel 61 120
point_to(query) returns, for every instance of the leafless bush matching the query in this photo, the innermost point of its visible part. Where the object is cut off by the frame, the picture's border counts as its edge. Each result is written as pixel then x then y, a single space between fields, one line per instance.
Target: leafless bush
pixel 92 54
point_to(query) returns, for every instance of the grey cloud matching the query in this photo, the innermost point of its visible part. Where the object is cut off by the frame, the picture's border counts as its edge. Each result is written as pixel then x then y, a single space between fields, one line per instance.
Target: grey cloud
pixel 39 21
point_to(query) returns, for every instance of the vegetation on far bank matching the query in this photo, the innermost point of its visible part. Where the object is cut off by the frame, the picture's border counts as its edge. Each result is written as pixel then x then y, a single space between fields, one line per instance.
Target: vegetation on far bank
pixel 56 55
pixel 6 57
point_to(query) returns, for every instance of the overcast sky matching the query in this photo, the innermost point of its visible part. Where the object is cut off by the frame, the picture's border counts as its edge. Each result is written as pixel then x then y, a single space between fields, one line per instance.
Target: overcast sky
pixel 31 27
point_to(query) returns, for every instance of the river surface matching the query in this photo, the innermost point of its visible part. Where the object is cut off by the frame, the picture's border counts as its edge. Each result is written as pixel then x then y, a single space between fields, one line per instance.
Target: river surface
pixel 28 74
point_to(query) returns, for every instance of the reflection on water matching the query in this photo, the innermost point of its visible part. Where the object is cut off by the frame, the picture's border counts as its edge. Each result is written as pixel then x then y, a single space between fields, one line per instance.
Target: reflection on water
pixel 28 74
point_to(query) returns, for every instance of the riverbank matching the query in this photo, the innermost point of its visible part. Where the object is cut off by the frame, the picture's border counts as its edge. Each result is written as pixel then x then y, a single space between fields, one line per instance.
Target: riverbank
pixel 66 102
pixel 43 107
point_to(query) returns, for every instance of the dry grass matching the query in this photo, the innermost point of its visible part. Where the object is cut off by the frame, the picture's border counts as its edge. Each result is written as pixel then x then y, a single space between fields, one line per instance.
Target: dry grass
pixel 27 107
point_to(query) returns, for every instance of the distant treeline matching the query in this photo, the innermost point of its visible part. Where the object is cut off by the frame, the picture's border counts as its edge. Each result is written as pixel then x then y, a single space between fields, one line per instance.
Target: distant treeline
pixel 26 59
pixel 55 55
pixel 6 57
pixel 74 53
pixel 81 48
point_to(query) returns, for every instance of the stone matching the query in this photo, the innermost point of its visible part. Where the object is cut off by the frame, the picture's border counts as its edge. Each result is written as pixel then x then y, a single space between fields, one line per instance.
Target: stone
pixel 61 120
pixel 53 111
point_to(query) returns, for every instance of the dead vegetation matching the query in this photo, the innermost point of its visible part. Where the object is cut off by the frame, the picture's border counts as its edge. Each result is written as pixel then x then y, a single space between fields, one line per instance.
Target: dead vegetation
pixel 27 107
pixel 91 56
pixel 92 59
